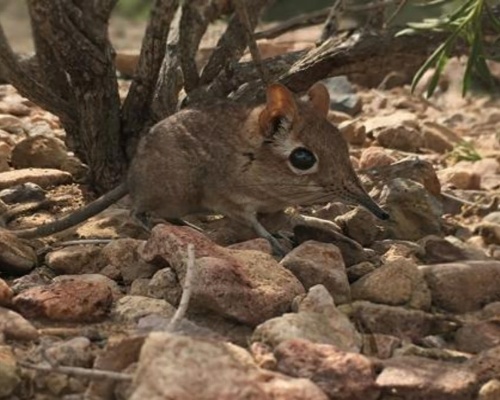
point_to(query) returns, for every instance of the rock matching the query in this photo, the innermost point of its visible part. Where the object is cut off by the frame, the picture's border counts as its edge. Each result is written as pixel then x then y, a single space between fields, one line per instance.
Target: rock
pixel 404 138
pixel 139 287
pixel 352 251
pixel 339 374
pixel 42 177
pixel 490 390
pixel 438 137
pixel 14 108
pixel 414 211
pixel 486 365
pixel 375 157
pixel 246 285
pixel 459 178
pixel 463 286
pixel 360 225
pixel 317 320
pixel 438 250
pixel 356 271
pixel 395 321
pixel 5 151
pixel 92 278
pixel 489 232
pixel 479 336
pixel 11 124
pixel 319 263
pixel 75 352
pixel 70 300
pixel 343 95
pixel 133 308
pixel 9 374
pixel 410 168
pixel 77 259
pixel 182 368
pixel 164 285
pixel 22 193
pixel 337 117
pixel 39 152
pixel 395 119
pixel 419 378
pixel 37 277
pixel 119 353
pixel 123 254
pixel 407 286
pixel 258 244
pixel 16 257
pixel 353 132
pixel 6 293
pixel 76 168
pixel 14 327
pixel 380 346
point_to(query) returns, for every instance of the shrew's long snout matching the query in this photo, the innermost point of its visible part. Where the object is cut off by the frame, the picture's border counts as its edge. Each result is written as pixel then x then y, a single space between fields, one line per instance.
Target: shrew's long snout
pixel 356 194
pixel 373 207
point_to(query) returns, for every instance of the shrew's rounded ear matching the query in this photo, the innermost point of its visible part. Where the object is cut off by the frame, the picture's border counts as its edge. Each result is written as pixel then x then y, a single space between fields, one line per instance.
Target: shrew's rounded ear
pixel 319 98
pixel 280 108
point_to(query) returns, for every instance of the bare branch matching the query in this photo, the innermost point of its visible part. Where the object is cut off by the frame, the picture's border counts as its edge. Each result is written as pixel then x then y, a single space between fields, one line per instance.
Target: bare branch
pixel 81 48
pixel 196 15
pixel 137 105
pixel 330 25
pixel 301 21
pixel 27 85
pixel 170 79
pixel 78 371
pixel 187 289
pixel 233 42
pixel 242 12
pixel 104 8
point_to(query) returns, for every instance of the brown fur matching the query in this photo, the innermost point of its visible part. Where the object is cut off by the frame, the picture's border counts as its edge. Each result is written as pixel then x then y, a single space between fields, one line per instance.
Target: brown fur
pixel 234 160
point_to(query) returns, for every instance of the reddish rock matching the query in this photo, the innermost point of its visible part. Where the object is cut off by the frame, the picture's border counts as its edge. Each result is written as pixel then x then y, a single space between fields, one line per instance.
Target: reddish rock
pixel 42 177
pixel 375 157
pixel 6 293
pixel 486 365
pixel 247 285
pixel 339 374
pixel 479 336
pixel 69 300
pixel 16 327
pixel 185 368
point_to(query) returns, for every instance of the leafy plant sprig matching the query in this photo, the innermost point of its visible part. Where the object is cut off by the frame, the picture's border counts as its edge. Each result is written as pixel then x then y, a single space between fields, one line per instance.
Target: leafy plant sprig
pixel 465 23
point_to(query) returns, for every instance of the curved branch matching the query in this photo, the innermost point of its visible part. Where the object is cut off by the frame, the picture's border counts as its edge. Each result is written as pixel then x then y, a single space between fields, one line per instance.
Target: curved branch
pixel 27 85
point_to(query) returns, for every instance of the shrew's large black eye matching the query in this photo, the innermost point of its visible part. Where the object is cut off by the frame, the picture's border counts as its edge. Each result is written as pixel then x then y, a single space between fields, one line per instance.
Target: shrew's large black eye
pixel 302 159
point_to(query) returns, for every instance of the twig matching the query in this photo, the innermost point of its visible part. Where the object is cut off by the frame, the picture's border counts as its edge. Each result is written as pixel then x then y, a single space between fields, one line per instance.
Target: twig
pixel 398 9
pixel 27 85
pixel 78 371
pixel 83 241
pixel 187 289
pixel 330 26
pixel 301 21
pixel 242 12
pixel 232 43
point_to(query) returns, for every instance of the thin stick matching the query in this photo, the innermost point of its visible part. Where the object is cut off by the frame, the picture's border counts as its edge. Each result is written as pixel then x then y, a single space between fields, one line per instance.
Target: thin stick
pixel 78 371
pixel 396 12
pixel 187 289
pixel 241 9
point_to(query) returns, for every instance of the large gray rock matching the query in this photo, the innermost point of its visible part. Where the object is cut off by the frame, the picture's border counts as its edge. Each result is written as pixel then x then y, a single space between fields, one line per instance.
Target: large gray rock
pixel 317 320
pixel 396 283
pixel 319 263
pixel 463 286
